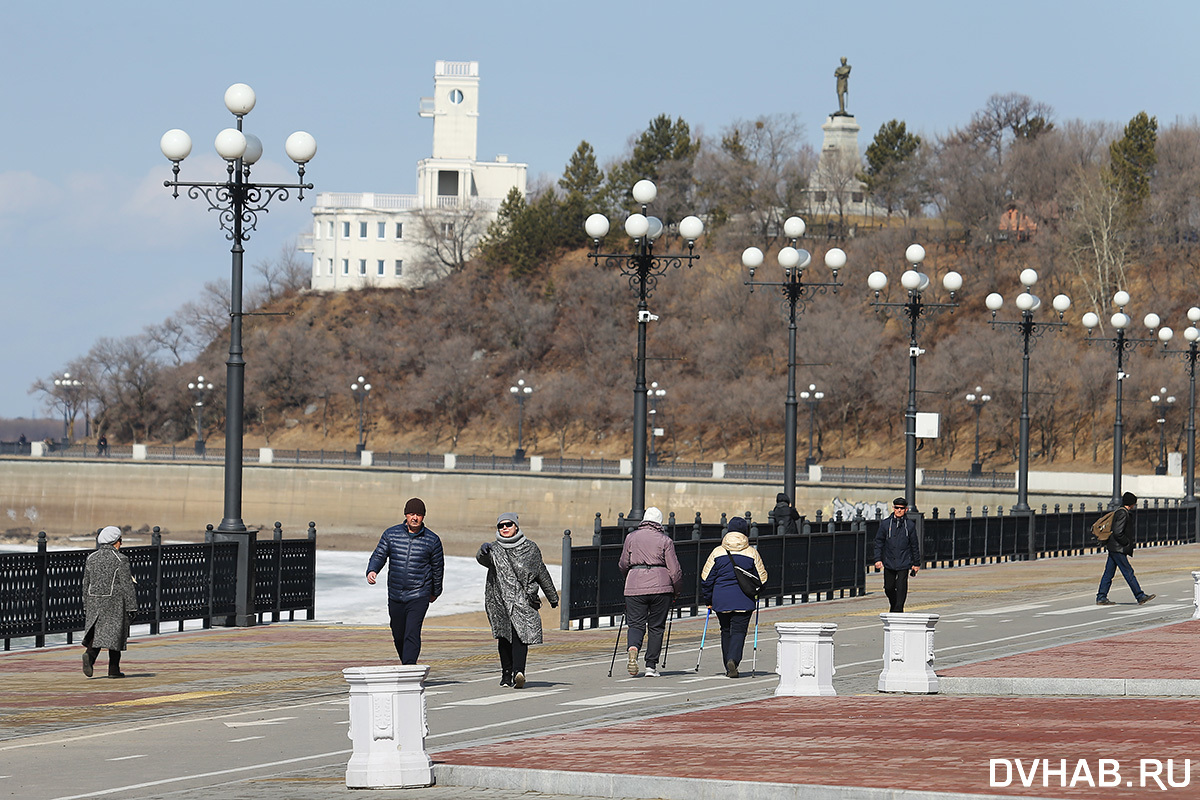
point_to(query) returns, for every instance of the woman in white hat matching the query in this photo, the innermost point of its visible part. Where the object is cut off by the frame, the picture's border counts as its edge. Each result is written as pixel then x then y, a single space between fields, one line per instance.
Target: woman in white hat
pixel 109 602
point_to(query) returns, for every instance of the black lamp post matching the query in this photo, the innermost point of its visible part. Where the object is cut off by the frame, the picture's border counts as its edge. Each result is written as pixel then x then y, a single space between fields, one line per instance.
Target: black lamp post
pixel 1029 331
pixel 642 267
pixel 199 390
pixel 1192 334
pixel 1161 403
pixel 916 283
pixel 655 394
pixel 520 393
pixel 796 291
pixel 976 401
pixel 1120 343
pixel 813 398
pixel 68 391
pixel 237 202
pixel 361 391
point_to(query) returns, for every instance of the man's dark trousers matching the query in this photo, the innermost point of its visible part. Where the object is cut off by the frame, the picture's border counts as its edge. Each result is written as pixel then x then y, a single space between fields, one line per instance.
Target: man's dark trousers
pixel 407 616
pixel 895 586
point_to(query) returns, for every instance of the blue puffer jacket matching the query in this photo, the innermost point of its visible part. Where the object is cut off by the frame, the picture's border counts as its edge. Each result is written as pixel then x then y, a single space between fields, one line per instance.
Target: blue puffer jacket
pixel 719 587
pixel 415 563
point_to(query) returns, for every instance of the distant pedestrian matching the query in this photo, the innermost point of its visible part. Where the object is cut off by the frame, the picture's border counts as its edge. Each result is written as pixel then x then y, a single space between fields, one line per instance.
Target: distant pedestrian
pixel 416 565
pixel 784 515
pixel 722 593
pixel 510 596
pixel 897 553
pixel 1120 547
pixel 109 602
pixel 653 578
pixel 102 445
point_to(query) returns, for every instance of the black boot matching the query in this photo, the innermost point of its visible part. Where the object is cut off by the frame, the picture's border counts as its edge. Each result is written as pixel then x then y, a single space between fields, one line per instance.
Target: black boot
pixel 114 664
pixel 89 659
pixel 506 679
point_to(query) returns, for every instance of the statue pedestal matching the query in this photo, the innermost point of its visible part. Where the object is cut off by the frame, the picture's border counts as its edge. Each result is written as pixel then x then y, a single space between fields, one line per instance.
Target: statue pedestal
pixel 841 138
pixel 805 658
pixel 387 726
pixel 908 654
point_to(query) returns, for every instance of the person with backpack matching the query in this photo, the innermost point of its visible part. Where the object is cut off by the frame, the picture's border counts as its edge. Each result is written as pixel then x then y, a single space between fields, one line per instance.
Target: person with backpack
pixel 1120 546
pixel 722 591
pixel 897 553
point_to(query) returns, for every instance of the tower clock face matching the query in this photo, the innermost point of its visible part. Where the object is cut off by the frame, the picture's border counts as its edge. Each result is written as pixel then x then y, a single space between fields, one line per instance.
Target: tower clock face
pixel 456 96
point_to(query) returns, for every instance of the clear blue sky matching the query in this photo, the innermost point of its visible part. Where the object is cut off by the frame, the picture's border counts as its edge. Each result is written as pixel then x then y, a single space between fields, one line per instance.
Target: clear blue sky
pixel 94 246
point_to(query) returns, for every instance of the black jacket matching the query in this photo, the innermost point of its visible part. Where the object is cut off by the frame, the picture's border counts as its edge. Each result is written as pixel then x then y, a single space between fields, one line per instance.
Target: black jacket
pixel 783 517
pixel 1123 536
pixel 897 544
pixel 415 562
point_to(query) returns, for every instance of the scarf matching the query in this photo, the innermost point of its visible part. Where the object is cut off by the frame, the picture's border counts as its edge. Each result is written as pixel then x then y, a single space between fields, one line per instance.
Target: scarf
pixel 510 541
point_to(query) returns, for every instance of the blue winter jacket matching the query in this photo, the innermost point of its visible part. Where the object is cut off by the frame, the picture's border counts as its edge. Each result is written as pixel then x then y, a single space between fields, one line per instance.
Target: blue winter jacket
pixel 897 544
pixel 415 563
pixel 719 586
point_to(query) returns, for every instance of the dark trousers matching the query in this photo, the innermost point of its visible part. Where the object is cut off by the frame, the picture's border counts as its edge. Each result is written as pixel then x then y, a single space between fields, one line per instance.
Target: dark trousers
pixel 114 659
pixel 895 586
pixel 1118 561
pixel 647 611
pixel 512 655
pixel 734 625
pixel 407 616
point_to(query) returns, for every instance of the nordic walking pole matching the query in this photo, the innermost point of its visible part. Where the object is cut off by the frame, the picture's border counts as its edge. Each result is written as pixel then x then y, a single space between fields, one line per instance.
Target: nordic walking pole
pixel 616 644
pixel 667 646
pixel 702 636
pixel 754 665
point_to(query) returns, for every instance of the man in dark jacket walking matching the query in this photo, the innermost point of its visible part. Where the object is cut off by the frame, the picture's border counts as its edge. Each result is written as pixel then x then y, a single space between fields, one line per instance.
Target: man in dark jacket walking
pixel 416 565
pixel 897 553
pixel 1120 547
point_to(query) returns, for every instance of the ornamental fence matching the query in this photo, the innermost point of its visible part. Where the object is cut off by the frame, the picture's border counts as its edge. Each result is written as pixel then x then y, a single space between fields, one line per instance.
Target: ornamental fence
pixel 41 592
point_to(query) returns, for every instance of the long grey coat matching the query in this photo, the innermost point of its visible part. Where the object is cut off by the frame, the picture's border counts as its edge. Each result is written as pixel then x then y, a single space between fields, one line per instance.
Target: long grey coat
pixel 510 595
pixel 109 599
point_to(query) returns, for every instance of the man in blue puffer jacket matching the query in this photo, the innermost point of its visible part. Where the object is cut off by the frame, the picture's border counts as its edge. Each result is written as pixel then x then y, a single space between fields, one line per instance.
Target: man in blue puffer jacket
pixel 415 568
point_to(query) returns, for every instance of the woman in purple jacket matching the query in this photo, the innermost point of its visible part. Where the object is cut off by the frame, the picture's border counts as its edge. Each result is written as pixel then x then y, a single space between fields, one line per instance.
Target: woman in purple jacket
pixel 652 579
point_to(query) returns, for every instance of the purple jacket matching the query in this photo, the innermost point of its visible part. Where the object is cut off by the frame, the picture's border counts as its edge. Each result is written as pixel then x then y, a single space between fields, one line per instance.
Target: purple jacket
pixel 649 563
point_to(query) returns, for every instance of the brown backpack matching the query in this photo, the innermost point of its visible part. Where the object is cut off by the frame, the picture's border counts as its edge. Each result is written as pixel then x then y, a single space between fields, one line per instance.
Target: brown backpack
pixel 1102 528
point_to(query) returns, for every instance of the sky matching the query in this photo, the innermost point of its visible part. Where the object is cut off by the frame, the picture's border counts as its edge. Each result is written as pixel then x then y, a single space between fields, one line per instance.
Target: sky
pixel 94 245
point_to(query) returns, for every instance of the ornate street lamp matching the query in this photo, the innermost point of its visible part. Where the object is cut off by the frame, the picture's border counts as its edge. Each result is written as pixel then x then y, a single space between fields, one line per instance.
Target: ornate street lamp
pixel 1161 403
pixel 237 202
pixel 199 390
pixel 915 283
pixel 68 389
pixel 977 401
pixel 796 292
pixel 642 267
pixel 655 394
pixel 361 391
pixel 1192 334
pixel 520 393
pixel 1030 331
pixel 813 398
pixel 1120 343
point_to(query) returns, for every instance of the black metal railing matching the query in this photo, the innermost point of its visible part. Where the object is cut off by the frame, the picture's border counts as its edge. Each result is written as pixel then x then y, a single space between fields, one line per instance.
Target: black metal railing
pixel 41 592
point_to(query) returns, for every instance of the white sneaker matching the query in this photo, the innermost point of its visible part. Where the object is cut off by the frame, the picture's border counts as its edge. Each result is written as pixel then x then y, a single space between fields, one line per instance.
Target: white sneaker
pixel 652 672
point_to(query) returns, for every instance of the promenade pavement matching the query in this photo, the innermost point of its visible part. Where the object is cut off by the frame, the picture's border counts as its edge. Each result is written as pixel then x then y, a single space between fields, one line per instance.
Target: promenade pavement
pixel 860 745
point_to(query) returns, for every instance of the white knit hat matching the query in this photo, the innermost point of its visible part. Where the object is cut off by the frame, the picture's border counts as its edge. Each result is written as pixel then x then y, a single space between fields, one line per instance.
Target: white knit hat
pixel 109 535
pixel 652 515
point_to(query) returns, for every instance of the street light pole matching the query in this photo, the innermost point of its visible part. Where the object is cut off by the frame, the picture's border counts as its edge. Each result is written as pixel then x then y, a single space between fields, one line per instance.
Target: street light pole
pixel 796 291
pixel 237 202
pixel 655 394
pixel 1029 331
pixel 1120 343
pixel 1161 403
pixel 977 401
pixel 915 283
pixel 1192 334
pixel 813 398
pixel 199 390
pixel 520 393
pixel 361 390
pixel 642 267
pixel 68 389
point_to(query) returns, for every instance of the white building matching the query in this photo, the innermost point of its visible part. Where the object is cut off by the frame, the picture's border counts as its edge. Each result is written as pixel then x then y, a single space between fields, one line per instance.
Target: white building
pixel 366 239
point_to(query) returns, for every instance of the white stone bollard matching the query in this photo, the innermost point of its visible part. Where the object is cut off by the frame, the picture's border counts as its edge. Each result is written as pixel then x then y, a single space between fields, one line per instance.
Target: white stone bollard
pixel 535 463
pixel 388 727
pixel 366 458
pixel 908 654
pixel 38 449
pixel 266 455
pixel 804 658
pixel 139 452
pixel 1196 595
pixel 449 460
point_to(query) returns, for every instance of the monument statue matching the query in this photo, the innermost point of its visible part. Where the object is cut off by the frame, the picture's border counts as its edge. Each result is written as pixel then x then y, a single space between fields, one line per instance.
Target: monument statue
pixel 842 74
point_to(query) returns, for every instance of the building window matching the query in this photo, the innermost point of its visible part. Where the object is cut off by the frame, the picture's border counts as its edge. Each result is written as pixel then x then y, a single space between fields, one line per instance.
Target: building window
pixel 447 229
pixel 856 197
pixel 447 183
pixel 399 267
pixel 345 266
pixel 382 230
pixel 456 96
pixel 819 196
pixel 331 266
pixel 362 230
pixel 379 267
pixel 345 230
pixel 362 266
pixel 399 230
pixel 316 229
pixel 330 230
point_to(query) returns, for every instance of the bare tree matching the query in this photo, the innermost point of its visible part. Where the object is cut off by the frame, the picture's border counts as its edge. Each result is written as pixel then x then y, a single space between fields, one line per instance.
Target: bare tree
pixel 449 234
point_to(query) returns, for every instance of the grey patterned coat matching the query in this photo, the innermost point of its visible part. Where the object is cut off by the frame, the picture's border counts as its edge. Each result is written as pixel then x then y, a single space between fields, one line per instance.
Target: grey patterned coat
pixel 109 599
pixel 510 595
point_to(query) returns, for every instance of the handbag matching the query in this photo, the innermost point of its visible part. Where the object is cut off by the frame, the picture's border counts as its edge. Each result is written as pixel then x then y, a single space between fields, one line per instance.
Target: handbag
pixel 748 581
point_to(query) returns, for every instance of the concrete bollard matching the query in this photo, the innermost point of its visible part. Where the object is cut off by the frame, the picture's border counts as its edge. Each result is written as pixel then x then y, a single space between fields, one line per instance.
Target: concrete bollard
pixel 1196 595
pixel 266 455
pixel 804 659
pixel 908 654
pixel 388 727
pixel 139 452
pixel 366 458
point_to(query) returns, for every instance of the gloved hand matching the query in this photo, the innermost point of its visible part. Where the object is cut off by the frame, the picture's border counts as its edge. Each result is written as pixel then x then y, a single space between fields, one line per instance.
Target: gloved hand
pixel 554 605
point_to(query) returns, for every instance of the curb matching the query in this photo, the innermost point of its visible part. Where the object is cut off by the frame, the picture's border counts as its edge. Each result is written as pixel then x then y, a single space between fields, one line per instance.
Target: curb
pixel 615 785
pixel 1112 687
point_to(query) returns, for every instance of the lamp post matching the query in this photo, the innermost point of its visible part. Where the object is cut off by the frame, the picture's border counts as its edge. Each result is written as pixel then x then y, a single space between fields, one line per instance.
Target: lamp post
pixel 1030 330
pixel 1120 343
pixel 520 393
pixel 1192 334
pixel 796 292
pixel 655 394
pixel 199 390
pixel 915 283
pixel 361 391
pixel 1161 403
pixel 813 398
pixel 642 267
pixel 977 401
pixel 237 202
pixel 68 391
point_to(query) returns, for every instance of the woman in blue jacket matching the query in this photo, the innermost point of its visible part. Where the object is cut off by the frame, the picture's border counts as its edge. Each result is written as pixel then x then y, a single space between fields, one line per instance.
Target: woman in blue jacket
pixel 722 594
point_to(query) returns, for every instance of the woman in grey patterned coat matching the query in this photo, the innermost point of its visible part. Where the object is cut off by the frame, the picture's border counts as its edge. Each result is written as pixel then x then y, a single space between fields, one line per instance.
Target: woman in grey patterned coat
pixel 510 596
pixel 109 602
